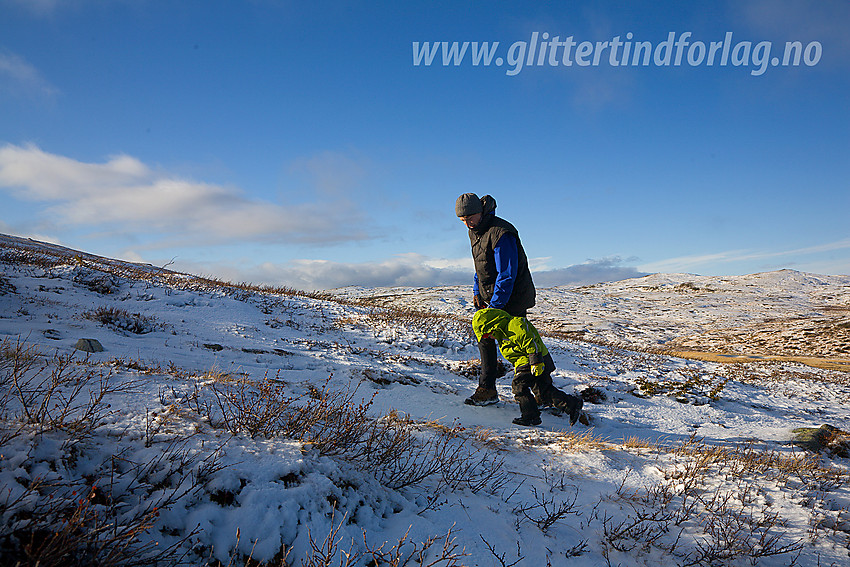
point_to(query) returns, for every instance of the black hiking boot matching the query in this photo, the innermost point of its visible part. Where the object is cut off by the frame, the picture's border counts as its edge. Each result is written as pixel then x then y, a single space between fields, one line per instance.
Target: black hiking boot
pixel 571 406
pixel 482 397
pixel 575 409
pixel 523 420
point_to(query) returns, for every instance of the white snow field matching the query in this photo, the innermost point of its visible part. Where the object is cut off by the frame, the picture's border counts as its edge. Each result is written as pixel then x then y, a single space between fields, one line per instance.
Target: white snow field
pixel 228 424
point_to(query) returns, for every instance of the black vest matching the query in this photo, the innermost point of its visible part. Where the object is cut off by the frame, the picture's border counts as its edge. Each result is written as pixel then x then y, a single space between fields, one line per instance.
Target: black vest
pixel 483 239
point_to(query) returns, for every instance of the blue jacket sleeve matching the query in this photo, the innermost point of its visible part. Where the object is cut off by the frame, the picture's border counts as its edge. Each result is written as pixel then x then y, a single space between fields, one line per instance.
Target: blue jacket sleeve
pixel 475 284
pixel 507 260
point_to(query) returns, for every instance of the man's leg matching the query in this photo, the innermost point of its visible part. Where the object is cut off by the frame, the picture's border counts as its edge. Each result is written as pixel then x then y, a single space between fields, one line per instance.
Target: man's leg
pixel 489 358
pixel 486 393
pixel 566 403
pixel 522 392
pixel 548 395
pixel 542 386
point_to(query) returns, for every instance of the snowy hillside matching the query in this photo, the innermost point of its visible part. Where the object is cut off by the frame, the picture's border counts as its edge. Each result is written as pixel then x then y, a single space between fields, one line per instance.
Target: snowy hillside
pixel 227 424
pixel 784 313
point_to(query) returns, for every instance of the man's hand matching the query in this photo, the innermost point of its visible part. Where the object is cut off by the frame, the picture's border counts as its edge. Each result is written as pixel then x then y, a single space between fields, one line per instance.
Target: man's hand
pixel 537 369
pixel 479 302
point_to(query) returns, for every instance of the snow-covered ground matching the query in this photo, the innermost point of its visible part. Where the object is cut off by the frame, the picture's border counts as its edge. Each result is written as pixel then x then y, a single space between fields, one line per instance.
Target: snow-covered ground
pixel 684 460
pixel 773 313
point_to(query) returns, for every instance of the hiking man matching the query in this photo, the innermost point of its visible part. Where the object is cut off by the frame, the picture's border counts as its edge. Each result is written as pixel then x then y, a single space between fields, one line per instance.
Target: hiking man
pixel 521 344
pixel 502 279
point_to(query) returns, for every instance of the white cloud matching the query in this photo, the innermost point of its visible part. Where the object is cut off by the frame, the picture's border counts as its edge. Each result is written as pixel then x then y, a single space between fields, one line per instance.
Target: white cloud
pixel 407 270
pixel 323 274
pixel 688 263
pixel 33 232
pixel 20 78
pixel 590 272
pixel 464 264
pixel 125 193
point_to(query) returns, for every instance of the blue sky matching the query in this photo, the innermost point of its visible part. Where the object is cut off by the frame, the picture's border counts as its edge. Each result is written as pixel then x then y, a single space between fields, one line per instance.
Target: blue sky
pixel 297 143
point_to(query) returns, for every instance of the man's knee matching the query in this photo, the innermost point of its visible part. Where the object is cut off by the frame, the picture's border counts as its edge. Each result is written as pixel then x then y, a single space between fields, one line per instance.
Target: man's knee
pixel 522 382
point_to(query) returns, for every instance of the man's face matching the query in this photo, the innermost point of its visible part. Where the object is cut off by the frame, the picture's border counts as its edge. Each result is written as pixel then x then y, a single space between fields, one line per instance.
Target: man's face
pixel 471 221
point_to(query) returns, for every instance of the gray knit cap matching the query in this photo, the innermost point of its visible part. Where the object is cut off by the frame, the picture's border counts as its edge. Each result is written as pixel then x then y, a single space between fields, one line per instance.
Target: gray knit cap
pixel 468 204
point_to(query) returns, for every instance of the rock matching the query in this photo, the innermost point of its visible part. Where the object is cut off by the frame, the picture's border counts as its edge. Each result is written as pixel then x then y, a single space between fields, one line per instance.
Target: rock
pixel 89 345
pixel 213 346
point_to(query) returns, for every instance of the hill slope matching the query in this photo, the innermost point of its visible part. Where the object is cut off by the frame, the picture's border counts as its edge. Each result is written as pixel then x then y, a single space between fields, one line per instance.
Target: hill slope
pixel 784 313
pixel 224 421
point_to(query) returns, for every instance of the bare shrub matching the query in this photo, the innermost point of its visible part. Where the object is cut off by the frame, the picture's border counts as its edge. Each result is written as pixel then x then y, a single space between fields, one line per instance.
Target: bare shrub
pixel 89 498
pixel 6 286
pixel 547 511
pixel 52 393
pixel 336 423
pixel 713 494
pixel 732 531
pixel 95 280
pixel 404 457
pixel 501 558
pixel 436 550
pixel 122 320
pixel 70 527
pixel 264 408
pixel 103 514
